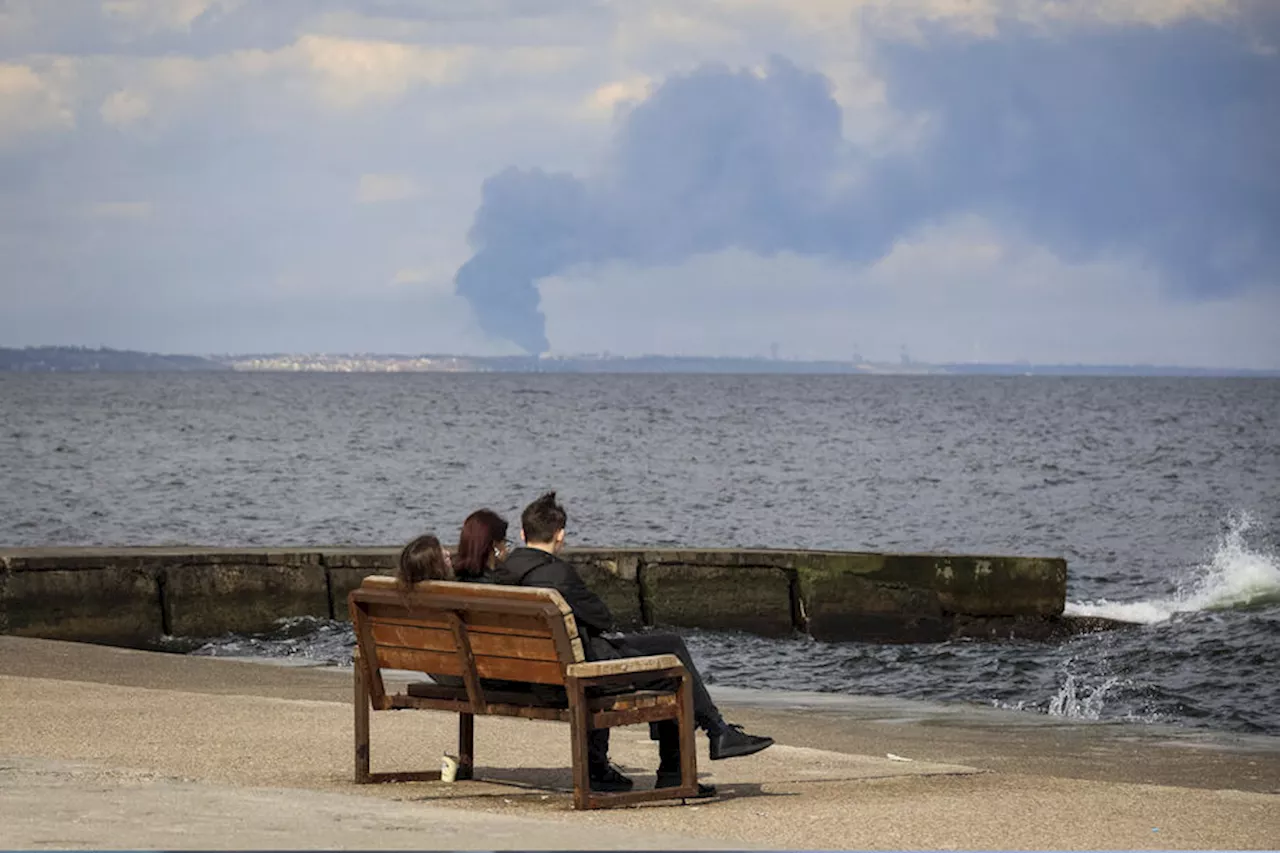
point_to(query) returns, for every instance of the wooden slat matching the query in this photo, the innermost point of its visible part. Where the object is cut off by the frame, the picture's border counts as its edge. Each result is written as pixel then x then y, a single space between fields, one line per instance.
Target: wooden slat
pixel 467 661
pixel 462 590
pixel 495 709
pixel 446 663
pixel 482 643
pixel 623 666
pixel 525 625
pixel 368 657
pixel 651 714
pixel 630 798
pixel 424 603
pixel 405 776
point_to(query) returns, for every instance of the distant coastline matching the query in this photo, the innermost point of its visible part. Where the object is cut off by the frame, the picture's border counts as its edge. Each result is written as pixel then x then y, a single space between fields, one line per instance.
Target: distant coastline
pixel 63 359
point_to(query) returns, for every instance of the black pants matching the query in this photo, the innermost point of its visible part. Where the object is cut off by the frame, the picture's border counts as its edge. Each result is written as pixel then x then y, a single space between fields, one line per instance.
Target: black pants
pixel 705 713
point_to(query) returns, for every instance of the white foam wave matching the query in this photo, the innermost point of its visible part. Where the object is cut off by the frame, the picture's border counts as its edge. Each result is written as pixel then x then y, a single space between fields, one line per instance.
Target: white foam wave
pixel 1080 701
pixel 1235 576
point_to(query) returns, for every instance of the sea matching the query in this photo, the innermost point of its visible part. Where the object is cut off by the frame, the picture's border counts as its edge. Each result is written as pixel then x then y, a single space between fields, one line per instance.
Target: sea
pixel 1163 494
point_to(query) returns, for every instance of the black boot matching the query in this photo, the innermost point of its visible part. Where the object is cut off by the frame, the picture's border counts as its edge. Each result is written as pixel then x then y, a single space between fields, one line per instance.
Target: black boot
pixel 671 779
pixel 732 742
pixel 608 780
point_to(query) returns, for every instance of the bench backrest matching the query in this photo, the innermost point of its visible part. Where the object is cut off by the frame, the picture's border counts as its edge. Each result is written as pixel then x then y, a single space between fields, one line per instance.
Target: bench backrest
pixel 473 631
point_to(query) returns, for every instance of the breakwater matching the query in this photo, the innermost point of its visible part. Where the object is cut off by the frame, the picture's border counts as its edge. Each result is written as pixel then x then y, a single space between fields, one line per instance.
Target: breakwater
pixel 133 596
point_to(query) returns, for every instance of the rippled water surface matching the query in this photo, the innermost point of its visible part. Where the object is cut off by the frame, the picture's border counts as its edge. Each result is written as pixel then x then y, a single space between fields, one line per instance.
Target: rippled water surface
pixel 1163 494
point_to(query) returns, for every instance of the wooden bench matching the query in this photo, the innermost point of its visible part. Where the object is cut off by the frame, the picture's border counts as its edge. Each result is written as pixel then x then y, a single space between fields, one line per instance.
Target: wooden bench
pixel 521 636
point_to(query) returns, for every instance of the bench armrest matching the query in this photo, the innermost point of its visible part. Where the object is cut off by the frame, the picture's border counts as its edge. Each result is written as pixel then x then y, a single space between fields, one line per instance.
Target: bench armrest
pixel 622 666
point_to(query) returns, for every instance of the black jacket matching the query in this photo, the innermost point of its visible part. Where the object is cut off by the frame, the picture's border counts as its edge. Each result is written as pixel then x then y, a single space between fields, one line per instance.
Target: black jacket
pixel 532 567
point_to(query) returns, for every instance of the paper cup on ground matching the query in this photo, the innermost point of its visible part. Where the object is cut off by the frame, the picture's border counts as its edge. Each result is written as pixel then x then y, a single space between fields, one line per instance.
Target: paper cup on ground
pixel 448 768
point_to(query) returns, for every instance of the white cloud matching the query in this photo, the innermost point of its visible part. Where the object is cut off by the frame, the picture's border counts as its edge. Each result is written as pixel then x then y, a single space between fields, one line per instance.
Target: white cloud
pixel 350 72
pixel 375 187
pixel 336 75
pixel 124 107
pixel 32 102
pixel 605 100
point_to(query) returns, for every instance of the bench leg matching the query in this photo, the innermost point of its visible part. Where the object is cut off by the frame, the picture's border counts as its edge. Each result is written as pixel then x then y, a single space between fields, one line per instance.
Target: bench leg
pixel 361 701
pixel 466 746
pixel 688 745
pixel 578 722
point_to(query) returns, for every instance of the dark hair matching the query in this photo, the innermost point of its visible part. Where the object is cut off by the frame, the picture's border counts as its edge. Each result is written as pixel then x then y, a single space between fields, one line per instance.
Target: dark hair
pixel 481 532
pixel 423 560
pixel 543 519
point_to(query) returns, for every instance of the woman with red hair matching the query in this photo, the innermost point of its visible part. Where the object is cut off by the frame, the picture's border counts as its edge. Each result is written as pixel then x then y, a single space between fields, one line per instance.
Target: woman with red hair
pixel 482 544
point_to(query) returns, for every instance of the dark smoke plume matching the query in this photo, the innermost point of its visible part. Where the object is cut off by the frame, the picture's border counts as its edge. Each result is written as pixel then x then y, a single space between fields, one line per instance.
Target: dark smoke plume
pixel 1157 143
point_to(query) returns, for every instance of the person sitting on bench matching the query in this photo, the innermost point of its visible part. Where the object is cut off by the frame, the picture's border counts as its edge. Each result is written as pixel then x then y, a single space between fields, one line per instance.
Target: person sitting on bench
pixel 482 545
pixel 538 564
pixel 423 559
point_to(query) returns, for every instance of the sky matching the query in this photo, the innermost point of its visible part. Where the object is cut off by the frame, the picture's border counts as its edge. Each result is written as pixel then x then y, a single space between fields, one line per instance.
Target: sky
pixel 1053 181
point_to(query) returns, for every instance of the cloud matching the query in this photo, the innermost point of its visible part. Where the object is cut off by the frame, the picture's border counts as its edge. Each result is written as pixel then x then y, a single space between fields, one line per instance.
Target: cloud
pixel 33 103
pixel 380 187
pixel 123 107
pixel 1157 143
pixel 606 100
pixel 351 72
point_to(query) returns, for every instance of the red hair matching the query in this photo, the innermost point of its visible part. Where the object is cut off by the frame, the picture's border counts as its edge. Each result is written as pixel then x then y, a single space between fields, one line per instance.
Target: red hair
pixel 481 533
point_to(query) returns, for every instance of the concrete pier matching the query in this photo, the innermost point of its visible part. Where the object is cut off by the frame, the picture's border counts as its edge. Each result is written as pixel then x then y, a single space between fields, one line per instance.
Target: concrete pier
pixel 132 596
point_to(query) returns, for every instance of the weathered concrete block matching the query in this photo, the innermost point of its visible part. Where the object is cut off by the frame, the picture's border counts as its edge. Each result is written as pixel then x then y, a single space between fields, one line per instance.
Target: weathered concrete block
pixel 974 585
pixel 117 605
pixel 614 577
pixel 342 581
pixel 746 598
pixel 207 600
pixel 347 567
pixel 361 558
pixel 842 605
pixel 1001 586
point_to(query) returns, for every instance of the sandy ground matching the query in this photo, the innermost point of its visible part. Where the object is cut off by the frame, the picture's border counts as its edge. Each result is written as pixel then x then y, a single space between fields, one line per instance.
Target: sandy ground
pixel 116 748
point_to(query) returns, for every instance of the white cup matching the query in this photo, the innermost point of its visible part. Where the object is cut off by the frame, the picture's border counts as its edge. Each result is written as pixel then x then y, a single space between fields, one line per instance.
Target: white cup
pixel 448 768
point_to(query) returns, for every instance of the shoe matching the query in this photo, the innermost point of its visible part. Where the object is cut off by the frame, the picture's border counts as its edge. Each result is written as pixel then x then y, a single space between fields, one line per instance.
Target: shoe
pixel 733 742
pixel 672 780
pixel 610 781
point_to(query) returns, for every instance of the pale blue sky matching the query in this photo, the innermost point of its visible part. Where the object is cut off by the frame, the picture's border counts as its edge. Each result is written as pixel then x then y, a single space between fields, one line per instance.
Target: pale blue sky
pixel 1091 181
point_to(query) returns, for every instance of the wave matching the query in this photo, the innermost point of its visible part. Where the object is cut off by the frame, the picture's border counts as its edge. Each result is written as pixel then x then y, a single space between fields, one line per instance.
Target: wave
pixel 1235 576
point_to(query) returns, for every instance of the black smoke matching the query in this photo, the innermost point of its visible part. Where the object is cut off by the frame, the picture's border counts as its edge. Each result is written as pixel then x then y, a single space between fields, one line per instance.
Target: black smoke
pixel 1154 143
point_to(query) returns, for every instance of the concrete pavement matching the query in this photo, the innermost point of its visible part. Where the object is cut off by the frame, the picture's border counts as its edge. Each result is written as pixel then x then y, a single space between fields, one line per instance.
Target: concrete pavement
pixel 119 748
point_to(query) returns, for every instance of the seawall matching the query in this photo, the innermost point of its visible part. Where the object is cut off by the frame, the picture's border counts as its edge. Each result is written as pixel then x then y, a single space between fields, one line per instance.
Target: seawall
pixel 133 596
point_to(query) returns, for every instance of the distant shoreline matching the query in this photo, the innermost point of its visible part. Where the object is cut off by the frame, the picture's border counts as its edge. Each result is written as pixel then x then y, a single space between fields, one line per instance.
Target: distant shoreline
pixel 58 359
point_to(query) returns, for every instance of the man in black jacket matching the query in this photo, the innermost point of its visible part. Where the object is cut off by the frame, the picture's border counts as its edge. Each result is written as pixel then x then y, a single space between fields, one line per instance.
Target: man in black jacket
pixel 537 564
